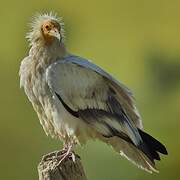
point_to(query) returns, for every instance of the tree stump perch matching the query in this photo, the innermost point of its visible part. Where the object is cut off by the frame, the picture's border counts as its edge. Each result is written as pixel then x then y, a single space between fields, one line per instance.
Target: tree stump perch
pixel 69 169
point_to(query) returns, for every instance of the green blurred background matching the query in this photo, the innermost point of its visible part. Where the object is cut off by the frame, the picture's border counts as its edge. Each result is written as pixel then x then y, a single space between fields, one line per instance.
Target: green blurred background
pixel 137 41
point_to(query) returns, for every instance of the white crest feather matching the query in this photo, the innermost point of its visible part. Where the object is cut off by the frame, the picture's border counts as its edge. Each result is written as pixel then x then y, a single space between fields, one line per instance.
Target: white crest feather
pixel 36 23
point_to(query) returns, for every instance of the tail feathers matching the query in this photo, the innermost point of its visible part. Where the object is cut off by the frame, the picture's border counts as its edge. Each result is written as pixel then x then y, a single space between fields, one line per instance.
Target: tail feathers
pixel 142 155
pixel 132 153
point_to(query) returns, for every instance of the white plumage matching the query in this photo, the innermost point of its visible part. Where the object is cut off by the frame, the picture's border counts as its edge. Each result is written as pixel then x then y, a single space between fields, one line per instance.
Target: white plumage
pixel 76 100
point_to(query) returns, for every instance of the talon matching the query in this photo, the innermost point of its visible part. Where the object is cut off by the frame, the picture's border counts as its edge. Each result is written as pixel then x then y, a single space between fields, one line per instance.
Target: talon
pixel 49 156
pixel 63 154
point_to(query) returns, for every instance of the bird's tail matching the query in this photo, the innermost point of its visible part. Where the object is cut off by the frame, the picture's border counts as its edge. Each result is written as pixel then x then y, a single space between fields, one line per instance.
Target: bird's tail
pixel 144 155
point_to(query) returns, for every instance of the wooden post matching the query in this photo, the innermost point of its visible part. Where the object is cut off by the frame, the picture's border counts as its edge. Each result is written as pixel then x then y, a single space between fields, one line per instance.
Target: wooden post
pixel 69 169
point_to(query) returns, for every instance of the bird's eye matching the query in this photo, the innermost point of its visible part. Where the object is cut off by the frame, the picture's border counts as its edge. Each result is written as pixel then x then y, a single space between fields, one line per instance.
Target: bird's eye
pixel 47 27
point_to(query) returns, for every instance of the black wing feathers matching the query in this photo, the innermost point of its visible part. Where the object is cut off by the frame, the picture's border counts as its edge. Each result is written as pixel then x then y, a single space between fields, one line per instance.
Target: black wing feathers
pixel 152 142
pixel 74 113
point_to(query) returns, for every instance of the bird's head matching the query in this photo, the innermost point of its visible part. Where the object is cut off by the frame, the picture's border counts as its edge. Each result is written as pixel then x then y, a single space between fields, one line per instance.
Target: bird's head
pixel 46 28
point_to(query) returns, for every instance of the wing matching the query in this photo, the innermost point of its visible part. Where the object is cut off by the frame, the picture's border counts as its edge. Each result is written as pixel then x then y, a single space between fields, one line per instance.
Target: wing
pixel 123 94
pixel 87 92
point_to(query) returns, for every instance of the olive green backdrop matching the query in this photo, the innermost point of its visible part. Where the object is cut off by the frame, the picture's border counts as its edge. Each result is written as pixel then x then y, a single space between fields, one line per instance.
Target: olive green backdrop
pixel 137 41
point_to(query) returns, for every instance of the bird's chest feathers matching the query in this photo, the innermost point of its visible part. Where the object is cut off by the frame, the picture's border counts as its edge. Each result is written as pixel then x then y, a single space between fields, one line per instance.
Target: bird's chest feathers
pixel 34 81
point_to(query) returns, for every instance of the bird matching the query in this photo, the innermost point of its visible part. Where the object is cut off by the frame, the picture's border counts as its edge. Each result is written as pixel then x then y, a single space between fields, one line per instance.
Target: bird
pixel 77 101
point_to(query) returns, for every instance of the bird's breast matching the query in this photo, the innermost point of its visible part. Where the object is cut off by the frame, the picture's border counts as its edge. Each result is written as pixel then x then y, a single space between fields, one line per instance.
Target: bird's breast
pixel 32 79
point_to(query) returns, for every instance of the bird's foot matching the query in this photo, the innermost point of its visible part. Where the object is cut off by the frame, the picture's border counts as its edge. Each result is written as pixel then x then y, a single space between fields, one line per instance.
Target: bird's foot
pixel 54 159
pixel 64 154
pixel 57 157
pixel 50 156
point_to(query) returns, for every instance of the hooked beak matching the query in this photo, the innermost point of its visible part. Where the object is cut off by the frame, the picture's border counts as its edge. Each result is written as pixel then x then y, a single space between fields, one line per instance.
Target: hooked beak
pixel 55 33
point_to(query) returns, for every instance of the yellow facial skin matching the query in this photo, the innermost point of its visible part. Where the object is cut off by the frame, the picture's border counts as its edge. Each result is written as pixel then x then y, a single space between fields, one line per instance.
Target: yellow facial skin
pixel 51 31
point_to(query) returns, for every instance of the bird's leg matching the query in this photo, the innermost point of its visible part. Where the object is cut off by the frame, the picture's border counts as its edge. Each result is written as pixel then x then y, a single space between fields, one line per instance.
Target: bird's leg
pixel 67 151
pixel 60 156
